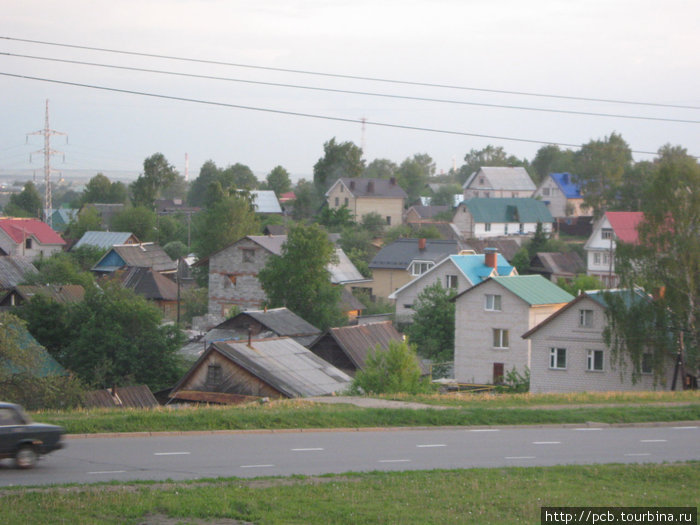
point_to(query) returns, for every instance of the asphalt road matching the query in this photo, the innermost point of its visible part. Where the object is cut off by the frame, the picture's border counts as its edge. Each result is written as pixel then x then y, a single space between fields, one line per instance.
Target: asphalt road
pixel 197 455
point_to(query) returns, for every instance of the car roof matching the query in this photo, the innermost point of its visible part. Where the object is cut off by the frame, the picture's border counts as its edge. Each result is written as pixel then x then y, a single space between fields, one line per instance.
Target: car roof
pixel 8 405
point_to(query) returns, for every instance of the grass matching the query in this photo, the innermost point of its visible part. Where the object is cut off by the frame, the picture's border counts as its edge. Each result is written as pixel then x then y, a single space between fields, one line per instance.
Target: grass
pixel 464 410
pixel 505 495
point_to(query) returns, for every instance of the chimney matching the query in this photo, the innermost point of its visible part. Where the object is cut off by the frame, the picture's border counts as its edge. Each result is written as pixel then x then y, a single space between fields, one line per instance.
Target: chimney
pixel 491 257
pixel 392 181
pixel 370 187
pixel 421 244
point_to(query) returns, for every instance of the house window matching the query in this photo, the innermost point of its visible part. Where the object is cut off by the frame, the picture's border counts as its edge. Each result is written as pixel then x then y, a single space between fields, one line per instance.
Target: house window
pixel 594 362
pixel 248 255
pixel 419 268
pixel 521 228
pixel 346 201
pixel 487 226
pixel 214 375
pixel 647 363
pixel 505 229
pixel 545 192
pixel 388 220
pixel 607 233
pixel 28 243
pixel 408 306
pixel 596 258
pixel 557 358
pixel 337 202
pixel 585 318
pixel 493 303
pixel 450 281
pixel 481 180
pixel 606 258
pixel 500 338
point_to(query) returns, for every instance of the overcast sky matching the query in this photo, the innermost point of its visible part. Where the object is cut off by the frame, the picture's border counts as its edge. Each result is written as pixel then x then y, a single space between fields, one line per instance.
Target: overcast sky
pixel 634 51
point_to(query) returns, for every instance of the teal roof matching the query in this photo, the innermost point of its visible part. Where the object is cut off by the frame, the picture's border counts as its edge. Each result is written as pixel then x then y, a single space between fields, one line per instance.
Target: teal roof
pixel 474 268
pixel 45 364
pixel 508 210
pixel 534 289
pixel 629 297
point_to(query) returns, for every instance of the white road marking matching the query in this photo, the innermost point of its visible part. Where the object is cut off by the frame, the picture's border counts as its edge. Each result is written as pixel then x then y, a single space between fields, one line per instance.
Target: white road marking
pixel 305 449
pixel 644 454
pixel 108 472
pixel 256 466
pixel 431 446
pixel 519 457
pixel 394 461
pixel 588 429
pixel 484 430
pixel 653 440
pixel 546 442
pixel 171 453
pixel 684 428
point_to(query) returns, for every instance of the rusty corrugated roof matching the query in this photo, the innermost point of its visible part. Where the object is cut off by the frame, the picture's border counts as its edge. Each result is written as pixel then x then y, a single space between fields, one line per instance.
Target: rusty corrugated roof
pixel 357 341
pixel 138 396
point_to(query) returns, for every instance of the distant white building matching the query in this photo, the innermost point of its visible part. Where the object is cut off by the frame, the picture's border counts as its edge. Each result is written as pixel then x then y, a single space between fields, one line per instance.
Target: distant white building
pixel 490 182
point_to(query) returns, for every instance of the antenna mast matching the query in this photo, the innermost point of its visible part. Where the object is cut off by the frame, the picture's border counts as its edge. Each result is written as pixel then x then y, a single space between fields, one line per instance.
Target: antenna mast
pixel 362 141
pixel 47 151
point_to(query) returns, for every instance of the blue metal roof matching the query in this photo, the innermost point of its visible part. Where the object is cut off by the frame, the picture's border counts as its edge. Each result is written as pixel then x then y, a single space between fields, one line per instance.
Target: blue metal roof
pixel 568 187
pixel 475 269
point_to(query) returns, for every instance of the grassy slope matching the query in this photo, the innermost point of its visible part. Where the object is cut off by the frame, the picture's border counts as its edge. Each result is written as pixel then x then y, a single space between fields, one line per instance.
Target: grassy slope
pixel 506 495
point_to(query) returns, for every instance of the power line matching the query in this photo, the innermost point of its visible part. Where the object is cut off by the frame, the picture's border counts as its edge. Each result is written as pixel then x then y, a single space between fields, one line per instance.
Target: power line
pixel 353 77
pixel 350 92
pixel 307 115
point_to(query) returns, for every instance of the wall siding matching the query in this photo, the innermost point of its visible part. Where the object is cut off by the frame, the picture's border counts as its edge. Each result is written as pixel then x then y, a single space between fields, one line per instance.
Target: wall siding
pixel 410 294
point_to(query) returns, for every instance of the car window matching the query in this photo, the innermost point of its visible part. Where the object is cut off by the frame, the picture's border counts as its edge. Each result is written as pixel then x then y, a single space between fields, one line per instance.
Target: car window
pixel 9 416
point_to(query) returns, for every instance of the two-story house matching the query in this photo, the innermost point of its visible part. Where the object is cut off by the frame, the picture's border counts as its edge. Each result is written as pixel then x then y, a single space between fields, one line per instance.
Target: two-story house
pixel 569 353
pixel 481 218
pixel 456 272
pixel 404 259
pixel 29 238
pixel 561 195
pixel 233 272
pixel 490 182
pixel 490 319
pixel 600 246
pixel 363 196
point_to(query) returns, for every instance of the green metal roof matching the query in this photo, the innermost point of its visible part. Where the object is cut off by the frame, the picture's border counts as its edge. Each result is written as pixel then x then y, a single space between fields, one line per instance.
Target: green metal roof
pixel 508 210
pixel 534 289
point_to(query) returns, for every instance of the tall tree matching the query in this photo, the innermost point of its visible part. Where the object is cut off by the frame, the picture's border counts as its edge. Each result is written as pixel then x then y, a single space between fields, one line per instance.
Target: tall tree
pixel 97 189
pixel 299 278
pixel 433 328
pixel 27 203
pixel 139 220
pixel 157 175
pixel 208 173
pixel 380 169
pixel 339 160
pixel 222 223
pixel 307 200
pixel 413 175
pixel 666 259
pixel 238 176
pixel 600 167
pixel 551 159
pixel 278 180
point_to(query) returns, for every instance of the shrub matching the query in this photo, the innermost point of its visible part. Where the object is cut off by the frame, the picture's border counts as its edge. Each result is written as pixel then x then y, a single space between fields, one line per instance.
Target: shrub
pixel 390 371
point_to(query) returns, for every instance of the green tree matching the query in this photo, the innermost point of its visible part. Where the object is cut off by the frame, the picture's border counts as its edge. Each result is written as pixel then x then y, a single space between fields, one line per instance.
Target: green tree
pixel 171 228
pixel 339 160
pixel 444 196
pixel 175 250
pixel 335 219
pixel 551 159
pixel 666 259
pixel 307 201
pixel 580 283
pixel 278 180
pixel 413 175
pixel 238 176
pixel 299 278
pixel 391 371
pixel 489 156
pixel 403 231
pixel 97 189
pixel 521 261
pixel 600 168
pixel 222 224
pixel 60 268
pixel 433 328
pixel 139 220
pixel 373 223
pixel 157 175
pixel 88 220
pixel 380 169
pixel 27 203
pixel 208 174
pixel 356 242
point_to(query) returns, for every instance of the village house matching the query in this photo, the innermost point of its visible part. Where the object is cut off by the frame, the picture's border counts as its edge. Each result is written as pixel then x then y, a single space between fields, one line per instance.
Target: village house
pixel 155 287
pixel 561 195
pixel 142 255
pixel 456 272
pixel 482 218
pixel 569 353
pixel 60 218
pixel 600 246
pixel 348 347
pixel 13 270
pixel 363 196
pixel 105 211
pixel 233 272
pixel 557 265
pixel 398 263
pixel 29 238
pixel 265 202
pixel 105 240
pixel 491 316
pixel 419 214
pixel 230 372
pixel 59 293
pixel 492 182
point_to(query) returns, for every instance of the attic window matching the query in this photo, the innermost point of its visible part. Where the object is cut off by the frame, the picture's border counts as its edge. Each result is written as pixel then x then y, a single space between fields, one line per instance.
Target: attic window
pixel 607 233
pixel 214 375
pixel 545 192
pixel 28 243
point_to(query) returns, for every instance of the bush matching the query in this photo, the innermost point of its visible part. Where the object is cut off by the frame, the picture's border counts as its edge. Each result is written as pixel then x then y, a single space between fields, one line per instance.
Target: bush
pixel 390 371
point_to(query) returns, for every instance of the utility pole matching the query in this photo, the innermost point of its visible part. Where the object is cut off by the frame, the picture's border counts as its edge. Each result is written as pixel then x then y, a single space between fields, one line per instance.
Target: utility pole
pixel 47 151
pixel 187 167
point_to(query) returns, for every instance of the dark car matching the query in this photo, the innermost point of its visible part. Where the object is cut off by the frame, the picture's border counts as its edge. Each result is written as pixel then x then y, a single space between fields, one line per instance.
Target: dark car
pixel 24 440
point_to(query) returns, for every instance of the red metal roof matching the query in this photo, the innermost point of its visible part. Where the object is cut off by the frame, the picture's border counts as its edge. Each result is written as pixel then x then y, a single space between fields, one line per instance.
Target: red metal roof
pixel 624 224
pixel 19 229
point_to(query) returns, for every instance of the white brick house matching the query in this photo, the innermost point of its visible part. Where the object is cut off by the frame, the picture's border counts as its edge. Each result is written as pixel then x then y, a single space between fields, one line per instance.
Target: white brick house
pixel 491 317
pixel 568 353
